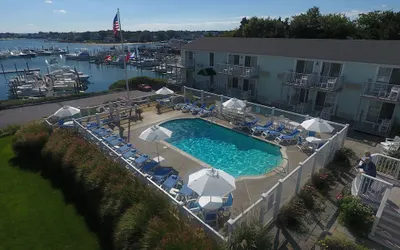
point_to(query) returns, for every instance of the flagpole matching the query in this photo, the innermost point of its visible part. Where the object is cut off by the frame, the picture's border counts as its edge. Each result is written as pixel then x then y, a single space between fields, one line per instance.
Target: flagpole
pixel 126 77
pixel 123 49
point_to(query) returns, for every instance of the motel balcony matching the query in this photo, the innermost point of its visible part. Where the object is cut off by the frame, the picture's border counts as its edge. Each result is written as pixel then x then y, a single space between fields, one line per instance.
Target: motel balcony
pixel 325 83
pixel 237 70
pixel 382 91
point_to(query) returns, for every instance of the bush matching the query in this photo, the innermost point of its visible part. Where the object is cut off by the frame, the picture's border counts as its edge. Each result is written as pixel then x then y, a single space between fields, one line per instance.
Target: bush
pixel 118 205
pixel 335 243
pixel 344 156
pixel 9 130
pixel 323 180
pixel 311 198
pixel 29 140
pixel 292 215
pixel 355 215
pixel 250 236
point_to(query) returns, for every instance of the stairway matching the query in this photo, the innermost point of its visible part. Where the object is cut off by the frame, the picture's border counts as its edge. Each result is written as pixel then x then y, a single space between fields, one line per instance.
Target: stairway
pixel 387 232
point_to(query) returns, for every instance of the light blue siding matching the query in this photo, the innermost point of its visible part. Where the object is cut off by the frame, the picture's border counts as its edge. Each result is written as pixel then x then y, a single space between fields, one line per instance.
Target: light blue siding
pixel 359 72
pixel 269 84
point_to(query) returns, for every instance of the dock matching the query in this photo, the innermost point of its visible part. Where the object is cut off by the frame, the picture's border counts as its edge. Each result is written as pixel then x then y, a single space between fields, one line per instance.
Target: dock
pixel 5 72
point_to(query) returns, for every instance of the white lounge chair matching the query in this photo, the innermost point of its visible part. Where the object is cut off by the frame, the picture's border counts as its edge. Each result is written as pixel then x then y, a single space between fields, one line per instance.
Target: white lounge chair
pixel 391 141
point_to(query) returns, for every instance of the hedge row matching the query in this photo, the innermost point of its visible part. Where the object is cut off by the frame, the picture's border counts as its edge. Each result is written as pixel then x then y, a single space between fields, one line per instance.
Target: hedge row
pixel 126 213
pixel 155 83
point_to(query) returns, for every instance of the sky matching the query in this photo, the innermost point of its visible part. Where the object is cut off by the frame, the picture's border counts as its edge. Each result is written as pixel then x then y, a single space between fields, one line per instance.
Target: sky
pixel 21 16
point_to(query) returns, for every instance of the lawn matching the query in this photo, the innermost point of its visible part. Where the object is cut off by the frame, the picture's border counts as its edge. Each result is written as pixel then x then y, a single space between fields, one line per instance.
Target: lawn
pixel 33 214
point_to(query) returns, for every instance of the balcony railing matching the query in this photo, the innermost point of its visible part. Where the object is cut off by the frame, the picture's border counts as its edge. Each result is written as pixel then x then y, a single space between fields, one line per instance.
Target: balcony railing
pixel 237 70
pixel 313 81
pixel 388 92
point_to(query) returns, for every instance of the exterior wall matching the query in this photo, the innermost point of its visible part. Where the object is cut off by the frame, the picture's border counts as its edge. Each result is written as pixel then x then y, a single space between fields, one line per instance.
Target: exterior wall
pixel 269 86
pixel 355 77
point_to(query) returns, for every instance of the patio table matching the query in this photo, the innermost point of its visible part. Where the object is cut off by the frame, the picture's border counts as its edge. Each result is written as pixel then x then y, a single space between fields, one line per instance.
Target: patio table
pixel 210 203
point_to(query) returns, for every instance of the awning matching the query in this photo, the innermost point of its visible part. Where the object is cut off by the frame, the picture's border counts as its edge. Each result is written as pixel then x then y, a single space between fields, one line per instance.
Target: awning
pixel 207 72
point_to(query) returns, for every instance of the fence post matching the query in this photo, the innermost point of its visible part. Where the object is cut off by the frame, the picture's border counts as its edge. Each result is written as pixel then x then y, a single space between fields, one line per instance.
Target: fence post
pixel 184 93
pixel 230 226
pixel 273 111
pixel 315 161
pixel 380 210
pixel 202 96
pixel 117 115
pixel 278 196
pixel 222 101
pixel 299 178
pixel 88 108
pixel 262 207
pixel 307 118
pixel 98 119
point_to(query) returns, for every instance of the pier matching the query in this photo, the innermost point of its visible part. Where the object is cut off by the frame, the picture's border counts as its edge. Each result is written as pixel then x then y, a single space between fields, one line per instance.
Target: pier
pixel 5 72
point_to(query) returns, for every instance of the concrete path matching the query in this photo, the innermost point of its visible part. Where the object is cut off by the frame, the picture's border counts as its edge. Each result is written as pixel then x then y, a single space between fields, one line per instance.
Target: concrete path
pixel 29 113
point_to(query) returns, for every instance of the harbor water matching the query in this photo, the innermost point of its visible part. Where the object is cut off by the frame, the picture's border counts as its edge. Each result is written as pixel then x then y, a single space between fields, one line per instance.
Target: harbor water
pixel 101 76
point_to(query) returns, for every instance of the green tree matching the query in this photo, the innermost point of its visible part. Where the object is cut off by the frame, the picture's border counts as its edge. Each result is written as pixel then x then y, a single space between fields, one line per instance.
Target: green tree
pixel 379 25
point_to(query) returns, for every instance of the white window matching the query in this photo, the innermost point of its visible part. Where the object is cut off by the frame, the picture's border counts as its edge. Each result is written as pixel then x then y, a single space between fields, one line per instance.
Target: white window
pixel 388 75
pixel 304 67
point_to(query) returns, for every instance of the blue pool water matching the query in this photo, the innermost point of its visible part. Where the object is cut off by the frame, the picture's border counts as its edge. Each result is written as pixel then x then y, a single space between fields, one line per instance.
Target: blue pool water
pixel 222 148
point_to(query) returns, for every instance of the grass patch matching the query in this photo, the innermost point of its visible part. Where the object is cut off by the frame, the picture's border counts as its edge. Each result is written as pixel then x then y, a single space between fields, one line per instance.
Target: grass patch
pixel 33 214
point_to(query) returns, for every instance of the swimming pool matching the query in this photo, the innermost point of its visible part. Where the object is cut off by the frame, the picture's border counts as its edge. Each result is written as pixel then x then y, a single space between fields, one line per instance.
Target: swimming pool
pixel 223 148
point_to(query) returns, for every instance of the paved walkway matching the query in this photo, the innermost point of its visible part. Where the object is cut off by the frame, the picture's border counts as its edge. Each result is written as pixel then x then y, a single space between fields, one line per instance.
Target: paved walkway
pixel 29 113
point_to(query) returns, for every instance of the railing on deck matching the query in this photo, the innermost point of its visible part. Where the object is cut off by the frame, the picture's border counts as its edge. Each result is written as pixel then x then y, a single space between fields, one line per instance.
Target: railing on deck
pixel 266 208
pixel 387 166
pixel 237 70
pixel 389 92
pixel 327 83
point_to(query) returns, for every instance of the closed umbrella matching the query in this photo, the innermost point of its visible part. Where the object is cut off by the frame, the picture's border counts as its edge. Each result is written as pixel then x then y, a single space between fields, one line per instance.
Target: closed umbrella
pixel 211 182
pixel 66 111
pixel 234 103
pixel 317 125
pixel 164 91
pixel 155 134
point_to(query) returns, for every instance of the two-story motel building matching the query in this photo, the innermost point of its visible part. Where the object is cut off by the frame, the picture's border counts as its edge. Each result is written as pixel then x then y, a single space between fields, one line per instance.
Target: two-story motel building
pixel 355 80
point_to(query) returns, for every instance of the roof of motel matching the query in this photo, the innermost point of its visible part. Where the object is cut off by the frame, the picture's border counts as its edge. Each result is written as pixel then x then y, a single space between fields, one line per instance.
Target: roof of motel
pixel 366 51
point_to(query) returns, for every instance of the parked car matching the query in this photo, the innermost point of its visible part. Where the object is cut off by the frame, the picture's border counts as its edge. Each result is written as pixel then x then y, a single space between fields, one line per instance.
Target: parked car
pixel 144 87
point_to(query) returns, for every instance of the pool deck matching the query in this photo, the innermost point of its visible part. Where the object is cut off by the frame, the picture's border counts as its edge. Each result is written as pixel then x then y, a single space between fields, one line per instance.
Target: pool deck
pixel 248 190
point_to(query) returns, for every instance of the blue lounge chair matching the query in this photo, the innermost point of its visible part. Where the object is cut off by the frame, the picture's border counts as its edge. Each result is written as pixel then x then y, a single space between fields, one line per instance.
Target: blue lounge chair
pixel 274 133
pixel 170 182
pixel 179 106
pixel 196 110
pixel 99 130
pixel 159 175
pixel 129 154
pixel 248 125
pixel 111 138
pixel 148 167
pixel 116 142
pixel 124 148
pixel 92 125
pixel 288 138
pixel 105 133
pixel 207 112
pixel 188 107
pixel 141 159
pixel 186 192
pixel 260 129
pixel 227 205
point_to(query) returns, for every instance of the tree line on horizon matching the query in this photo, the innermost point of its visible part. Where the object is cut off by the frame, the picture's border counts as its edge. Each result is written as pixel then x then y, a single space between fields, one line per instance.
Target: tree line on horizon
pixel 374 25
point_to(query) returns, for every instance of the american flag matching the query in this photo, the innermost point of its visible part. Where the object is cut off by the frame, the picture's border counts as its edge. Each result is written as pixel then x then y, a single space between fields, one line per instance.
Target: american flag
pixel 116 25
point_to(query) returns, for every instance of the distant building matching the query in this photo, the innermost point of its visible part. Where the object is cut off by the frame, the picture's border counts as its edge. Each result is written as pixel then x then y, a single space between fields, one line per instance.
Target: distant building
pixel 356 80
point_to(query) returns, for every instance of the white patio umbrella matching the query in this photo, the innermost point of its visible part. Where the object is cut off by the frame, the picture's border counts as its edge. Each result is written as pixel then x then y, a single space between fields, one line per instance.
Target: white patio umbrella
pixel 317 125
pixel 234 103
pixel 164 91
pixel 155 134
pixel 66 111
pixel 211 182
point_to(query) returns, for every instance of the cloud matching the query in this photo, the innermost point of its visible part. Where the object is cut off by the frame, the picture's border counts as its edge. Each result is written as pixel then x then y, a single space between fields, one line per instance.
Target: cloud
pixel 48 1
pixel 60 11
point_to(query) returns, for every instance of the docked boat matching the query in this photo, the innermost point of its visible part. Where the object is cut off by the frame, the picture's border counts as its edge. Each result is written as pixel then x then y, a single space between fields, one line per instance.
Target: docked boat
pixel 29 90
pixel 81 56
pixel 147 63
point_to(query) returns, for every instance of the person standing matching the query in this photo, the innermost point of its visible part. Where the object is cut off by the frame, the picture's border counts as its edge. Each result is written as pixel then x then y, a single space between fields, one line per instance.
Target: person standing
pixel 368 167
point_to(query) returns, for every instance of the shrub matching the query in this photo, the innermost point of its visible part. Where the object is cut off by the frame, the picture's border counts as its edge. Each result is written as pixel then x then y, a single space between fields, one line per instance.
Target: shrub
pixel 344 156
pixel 29 140
pixel 182 238
pixel 9 130
pixel 249 236
pixel 292 215
pixel 158 107
pixel 323 180
pixel 335 243
pixel 355 215
pixel 311 198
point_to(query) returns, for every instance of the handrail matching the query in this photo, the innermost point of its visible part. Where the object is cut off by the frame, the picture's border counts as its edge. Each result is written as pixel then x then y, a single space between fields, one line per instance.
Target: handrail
pixel 377 180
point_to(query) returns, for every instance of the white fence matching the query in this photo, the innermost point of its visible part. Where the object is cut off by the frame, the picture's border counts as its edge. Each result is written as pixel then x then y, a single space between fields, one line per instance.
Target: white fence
pixel 266 208
pixel 110 152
